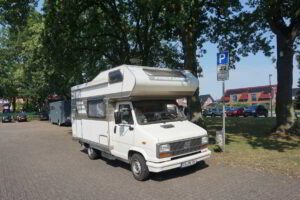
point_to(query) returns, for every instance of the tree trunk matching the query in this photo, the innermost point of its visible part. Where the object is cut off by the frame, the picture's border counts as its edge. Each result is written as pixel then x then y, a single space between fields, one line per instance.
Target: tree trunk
pixel 285 115
pixel 189 46
pixel 14 104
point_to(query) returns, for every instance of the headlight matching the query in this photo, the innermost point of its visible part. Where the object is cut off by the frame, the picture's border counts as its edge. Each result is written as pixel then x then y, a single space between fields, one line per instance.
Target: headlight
pixel 164 148
pixel 204 140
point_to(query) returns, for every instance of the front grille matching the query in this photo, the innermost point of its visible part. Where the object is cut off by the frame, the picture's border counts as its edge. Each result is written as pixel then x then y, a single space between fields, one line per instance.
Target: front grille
pixel 185 146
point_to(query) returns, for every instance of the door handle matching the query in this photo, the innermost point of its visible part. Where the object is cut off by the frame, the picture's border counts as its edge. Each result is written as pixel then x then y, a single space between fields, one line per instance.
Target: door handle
pixel 115 129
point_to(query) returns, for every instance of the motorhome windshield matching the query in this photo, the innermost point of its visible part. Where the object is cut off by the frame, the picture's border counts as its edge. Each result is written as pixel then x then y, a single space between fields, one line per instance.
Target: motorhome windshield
pixel 157 111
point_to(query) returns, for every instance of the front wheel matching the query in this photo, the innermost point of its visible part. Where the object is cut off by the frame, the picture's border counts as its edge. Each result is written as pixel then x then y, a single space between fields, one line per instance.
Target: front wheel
pixel 139 168
pixel 92 153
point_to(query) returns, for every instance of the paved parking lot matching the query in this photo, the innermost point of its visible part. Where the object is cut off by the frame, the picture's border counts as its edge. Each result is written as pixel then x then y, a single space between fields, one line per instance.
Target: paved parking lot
pixel 41 161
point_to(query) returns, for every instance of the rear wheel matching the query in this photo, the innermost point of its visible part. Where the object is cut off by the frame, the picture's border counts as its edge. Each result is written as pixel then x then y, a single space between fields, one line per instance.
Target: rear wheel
pixel 139 168
pixel 92 153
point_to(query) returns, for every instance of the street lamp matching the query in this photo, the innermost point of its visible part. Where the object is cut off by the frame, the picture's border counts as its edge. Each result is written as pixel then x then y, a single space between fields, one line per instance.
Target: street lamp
pixel 271 95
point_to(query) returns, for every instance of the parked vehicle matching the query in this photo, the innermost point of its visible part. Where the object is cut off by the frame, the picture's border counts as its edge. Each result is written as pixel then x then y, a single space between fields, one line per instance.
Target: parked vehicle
pixel 130 113
pixel 21 117
pixel 43 116
pixel 256 111
pixel 213 112
pixel 235 112
pixel 6 116
pixel 60 112
pixel 229 112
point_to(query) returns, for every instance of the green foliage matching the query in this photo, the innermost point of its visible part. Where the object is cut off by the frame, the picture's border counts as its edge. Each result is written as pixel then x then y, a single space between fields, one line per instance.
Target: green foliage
pixel 14 13
pixel 21 72
pixel 74 40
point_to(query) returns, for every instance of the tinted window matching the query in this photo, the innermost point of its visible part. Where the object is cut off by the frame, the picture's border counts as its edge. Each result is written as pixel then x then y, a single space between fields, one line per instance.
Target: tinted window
pixel 260 107
pixel 165 73
pixel 253 97
pixel 115 76
pixel 234 98
pixel 126 116
pixel 157 111
pixel 96 108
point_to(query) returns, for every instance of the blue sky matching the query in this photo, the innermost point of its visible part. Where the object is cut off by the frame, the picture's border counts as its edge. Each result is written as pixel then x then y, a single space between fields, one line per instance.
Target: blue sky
pixel 253 70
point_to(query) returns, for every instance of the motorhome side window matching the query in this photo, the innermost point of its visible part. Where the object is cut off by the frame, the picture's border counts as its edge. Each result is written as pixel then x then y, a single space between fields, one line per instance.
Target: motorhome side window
pixel 115 76
pixel 96 108
pixel 126 116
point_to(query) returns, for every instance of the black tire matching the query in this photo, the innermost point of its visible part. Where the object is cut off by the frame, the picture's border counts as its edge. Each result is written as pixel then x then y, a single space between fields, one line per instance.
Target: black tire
pixel 213 115
pixel 139 168
pixel 86 145
pixel 92 153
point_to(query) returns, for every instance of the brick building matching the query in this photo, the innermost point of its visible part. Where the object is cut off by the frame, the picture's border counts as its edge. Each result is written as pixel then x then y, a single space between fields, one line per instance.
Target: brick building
pixel 251 95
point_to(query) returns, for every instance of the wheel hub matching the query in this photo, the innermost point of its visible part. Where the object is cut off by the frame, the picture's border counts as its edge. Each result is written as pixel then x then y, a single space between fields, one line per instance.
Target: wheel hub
pixel 136 167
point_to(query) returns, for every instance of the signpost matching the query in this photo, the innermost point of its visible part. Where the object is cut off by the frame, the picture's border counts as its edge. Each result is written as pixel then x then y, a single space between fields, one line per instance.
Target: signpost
pixel 223 75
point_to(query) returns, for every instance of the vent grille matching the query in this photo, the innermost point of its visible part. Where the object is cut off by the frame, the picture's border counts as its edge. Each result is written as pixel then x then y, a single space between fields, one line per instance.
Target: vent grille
pixel 185 146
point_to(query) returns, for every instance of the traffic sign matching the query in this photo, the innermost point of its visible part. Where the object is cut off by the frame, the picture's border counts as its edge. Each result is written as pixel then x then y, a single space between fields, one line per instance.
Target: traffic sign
pixel 223 58
pixel 222 75
pixel 222 72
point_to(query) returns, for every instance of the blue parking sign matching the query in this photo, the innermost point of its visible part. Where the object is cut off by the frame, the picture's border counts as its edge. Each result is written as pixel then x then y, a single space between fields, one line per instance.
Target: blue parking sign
pixel 223 58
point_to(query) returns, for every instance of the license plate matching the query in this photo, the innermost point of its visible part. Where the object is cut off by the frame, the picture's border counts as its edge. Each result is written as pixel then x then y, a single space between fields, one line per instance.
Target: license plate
pixel 188 163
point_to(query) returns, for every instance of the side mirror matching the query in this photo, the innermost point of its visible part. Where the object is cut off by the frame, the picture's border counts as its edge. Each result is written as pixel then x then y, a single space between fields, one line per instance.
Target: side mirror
pixel 118 117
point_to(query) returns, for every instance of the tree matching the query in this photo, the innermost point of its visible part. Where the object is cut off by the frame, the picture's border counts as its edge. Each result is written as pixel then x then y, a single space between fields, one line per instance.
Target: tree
pixel 22 74
pixel 14 13
pixel 253 29
pixel 83 38
pixel 191 23
pixel 13 20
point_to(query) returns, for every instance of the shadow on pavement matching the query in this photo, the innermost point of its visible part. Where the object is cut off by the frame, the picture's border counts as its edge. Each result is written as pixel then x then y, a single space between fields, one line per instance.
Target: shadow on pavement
pixel 176 173
pixel 162 176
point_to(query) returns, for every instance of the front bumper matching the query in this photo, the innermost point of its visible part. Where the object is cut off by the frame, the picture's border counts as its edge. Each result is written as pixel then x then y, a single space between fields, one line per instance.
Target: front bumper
pixel 6 120
pixel 172 164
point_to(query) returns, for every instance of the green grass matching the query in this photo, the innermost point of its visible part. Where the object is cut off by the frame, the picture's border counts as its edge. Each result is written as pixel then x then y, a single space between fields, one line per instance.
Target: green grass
pixel 249 144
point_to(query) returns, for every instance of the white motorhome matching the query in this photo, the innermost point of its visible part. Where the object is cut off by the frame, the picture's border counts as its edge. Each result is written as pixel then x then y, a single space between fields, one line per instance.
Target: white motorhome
pixel 130 113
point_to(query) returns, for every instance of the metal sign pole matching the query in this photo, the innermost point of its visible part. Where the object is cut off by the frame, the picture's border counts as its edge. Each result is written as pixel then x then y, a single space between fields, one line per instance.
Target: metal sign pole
pixel 222 75
pixel 223 130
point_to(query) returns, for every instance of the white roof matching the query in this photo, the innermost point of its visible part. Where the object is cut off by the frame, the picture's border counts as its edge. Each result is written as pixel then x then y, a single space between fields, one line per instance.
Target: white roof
pixel 138 81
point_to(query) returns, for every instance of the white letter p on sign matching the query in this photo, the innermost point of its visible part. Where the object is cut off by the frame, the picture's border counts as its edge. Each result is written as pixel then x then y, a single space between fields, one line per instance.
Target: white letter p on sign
pixel 222 57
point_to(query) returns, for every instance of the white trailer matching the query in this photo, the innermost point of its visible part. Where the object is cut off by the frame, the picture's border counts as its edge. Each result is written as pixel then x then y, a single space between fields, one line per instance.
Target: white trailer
pixel 130 113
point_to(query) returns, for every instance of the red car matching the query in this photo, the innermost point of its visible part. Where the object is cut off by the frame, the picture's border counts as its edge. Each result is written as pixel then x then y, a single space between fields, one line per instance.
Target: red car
pixel 236 112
